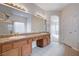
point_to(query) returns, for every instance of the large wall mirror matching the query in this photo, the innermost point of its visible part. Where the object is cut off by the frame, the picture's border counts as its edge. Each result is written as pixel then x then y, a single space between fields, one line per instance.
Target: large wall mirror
pixel 13 21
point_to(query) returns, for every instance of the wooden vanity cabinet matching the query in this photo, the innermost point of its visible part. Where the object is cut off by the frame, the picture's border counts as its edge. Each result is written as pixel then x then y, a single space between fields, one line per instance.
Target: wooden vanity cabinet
pixel 41 43
pixel 44 41
pixel 23 46
pixel 27 49
pixel 12 52
pixel 18 48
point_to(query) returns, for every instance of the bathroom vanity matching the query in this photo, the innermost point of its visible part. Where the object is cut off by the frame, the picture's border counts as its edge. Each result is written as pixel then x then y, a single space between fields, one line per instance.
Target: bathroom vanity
pixel 21 45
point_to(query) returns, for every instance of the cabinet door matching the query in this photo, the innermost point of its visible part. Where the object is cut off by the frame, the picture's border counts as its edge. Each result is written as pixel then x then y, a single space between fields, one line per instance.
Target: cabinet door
pixel 27 49
pixel 6 47
pixel 12 52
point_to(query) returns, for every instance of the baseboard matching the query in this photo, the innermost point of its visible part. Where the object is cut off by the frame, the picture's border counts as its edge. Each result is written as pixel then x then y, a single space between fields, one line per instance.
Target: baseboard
pixel 72 47
pixel 75 49
pixel 67 45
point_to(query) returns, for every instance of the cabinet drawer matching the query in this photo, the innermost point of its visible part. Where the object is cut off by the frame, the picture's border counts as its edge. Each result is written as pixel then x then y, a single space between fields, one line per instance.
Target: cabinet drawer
pixel 19 43
pixel 43 42
pixel 12 52
pixel 6 47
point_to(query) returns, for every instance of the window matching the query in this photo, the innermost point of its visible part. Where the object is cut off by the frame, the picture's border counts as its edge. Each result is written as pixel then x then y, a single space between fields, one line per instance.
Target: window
pixel 19 27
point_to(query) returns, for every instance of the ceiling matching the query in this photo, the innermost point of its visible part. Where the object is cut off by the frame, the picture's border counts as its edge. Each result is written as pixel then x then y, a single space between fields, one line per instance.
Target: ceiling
pixel 51 6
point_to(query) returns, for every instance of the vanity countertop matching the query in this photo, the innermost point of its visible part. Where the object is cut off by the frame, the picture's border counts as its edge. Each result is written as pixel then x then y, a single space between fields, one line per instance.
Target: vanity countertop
pixel 20 37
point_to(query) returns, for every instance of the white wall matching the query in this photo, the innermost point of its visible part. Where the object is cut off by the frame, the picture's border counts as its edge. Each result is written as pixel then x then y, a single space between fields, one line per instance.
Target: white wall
pixel 38 24
pixel 69 26
pixel 4 28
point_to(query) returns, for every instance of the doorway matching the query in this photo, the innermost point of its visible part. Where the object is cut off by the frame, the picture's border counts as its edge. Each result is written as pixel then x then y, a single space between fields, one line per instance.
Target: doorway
pixel 54 28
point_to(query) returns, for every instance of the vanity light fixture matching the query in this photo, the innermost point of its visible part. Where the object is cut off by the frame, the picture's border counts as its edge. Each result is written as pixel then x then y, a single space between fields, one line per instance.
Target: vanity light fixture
pixel 4 18
pixel 16 6
pixel 40 15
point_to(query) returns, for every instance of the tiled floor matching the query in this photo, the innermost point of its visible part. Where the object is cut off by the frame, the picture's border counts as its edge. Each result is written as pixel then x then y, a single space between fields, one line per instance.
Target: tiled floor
pixel 54 49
